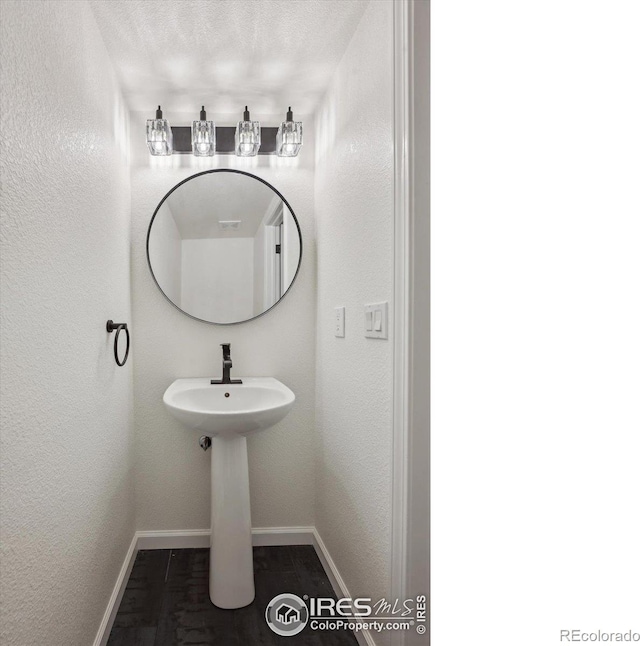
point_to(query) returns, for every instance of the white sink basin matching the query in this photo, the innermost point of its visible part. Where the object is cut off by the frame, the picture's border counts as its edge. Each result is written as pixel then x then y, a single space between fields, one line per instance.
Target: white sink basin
pixel 229 409
pixel 227 413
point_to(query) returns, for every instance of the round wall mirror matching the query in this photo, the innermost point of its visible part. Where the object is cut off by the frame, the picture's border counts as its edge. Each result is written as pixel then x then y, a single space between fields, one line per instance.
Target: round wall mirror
pixel 224 246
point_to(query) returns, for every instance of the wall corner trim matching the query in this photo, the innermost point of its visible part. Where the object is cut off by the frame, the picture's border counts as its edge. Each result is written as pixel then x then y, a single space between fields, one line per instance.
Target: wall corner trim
pixel 364 637
pixel 402 297
pixel 116 596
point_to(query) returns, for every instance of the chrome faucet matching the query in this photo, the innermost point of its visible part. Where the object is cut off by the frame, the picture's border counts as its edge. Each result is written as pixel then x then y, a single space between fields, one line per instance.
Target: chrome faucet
pixel 226 367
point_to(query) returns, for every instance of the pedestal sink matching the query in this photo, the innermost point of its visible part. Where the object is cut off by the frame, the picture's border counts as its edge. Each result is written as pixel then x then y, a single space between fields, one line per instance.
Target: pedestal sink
pixel 228 413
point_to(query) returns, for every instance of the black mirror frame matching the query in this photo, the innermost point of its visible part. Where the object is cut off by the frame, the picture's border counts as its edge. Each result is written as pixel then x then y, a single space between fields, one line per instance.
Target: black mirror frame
pixel 239 172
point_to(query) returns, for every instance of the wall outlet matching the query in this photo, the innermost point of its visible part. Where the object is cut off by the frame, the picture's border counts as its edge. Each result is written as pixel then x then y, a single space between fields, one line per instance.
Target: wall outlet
pixel 339 322
pixel 376 320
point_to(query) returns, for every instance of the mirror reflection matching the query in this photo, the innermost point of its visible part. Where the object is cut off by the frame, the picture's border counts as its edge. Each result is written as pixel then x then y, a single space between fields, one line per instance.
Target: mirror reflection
pixel 224 246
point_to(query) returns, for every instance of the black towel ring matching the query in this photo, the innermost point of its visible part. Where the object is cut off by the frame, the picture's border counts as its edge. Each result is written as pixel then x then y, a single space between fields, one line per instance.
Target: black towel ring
pixel 111 326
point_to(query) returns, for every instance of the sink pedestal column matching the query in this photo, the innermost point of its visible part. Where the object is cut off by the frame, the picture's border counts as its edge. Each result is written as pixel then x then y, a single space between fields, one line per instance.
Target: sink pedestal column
pixel 231 564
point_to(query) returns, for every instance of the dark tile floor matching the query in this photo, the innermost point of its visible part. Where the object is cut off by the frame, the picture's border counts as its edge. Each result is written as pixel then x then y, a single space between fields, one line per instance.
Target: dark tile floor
pixel 166 602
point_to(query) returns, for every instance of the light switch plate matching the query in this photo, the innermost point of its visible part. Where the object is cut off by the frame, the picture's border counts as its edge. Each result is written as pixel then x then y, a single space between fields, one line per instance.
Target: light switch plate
pixel 339 321
pixel 376 315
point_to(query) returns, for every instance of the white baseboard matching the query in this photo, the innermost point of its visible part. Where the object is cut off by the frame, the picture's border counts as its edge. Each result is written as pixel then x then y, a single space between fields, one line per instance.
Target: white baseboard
pixel 173 539
pixel 282 536
pixel 116 596
pixel 199 538
pixel 364 637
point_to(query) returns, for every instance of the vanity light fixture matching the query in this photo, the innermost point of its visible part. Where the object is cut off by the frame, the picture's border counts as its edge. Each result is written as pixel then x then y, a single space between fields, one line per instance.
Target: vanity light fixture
pixel 159 135
pixel 247 136
pixel 289 137
pixel 205 139
pixel 203 136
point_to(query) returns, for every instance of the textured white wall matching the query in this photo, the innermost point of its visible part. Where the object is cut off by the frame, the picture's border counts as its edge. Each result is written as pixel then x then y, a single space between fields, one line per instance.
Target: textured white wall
pixel 172 471
pixel 66 456
pixel 354 220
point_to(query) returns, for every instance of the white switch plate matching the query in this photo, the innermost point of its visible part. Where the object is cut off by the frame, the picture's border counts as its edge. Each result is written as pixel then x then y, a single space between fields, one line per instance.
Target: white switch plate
pixel 339 321
pixel 376 312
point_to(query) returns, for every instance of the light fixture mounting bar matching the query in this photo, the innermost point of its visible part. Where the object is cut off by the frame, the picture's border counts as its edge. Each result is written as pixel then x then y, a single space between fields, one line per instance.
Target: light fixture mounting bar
pixel 225 140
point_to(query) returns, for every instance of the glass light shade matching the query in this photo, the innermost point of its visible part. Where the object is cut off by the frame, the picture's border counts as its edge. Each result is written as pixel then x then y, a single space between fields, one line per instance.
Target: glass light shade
pixel 203 138
pixel 159 137
pixel 289 139
pixel 247 138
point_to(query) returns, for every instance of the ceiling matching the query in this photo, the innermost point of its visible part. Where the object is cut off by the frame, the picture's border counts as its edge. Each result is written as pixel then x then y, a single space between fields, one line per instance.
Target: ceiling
pixel 268 54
